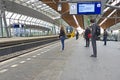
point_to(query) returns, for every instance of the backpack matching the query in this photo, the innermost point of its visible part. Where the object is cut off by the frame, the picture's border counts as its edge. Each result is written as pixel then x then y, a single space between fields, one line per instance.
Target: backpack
pixel 97 31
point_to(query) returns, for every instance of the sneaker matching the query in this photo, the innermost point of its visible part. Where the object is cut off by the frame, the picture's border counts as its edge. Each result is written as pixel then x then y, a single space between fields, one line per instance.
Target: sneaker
pixel 93 56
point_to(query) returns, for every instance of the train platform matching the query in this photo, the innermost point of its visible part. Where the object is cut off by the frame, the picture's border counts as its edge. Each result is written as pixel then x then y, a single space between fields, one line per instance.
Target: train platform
pixel 3 40
pixel 74 63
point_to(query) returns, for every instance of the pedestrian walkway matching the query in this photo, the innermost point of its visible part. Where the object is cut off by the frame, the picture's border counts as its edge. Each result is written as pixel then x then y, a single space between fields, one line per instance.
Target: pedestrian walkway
pixel 81 66
pixel 74 63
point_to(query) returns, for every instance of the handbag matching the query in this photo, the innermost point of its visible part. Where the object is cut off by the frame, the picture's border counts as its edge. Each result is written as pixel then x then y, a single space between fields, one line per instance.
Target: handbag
pixel 89 35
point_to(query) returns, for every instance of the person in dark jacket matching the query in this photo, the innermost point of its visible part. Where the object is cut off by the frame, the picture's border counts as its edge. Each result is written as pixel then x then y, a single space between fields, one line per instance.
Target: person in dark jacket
pixel 87 36
pixel 105 37
pixel 94 37
pixel 62 36
pixel 77 35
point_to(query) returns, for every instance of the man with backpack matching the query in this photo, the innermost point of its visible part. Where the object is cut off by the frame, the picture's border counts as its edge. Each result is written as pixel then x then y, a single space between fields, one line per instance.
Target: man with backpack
pixel 95 33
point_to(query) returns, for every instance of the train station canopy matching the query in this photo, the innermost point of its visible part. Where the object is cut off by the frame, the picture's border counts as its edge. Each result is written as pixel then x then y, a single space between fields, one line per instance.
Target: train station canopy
pixel 110 12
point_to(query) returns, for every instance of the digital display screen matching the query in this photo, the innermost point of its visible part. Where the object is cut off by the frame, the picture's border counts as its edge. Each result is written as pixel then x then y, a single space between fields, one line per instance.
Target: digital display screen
pixel 89 8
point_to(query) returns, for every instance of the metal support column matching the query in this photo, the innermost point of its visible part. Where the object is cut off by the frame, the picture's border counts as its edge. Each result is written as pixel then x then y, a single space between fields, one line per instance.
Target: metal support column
pixel 5 24
pixel 1 26
pixel 3 19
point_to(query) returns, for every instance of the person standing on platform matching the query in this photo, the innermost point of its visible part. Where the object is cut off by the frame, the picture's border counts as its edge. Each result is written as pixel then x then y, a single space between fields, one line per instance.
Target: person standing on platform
pixel 62 36
pixel 94 37
pixel 77 35
pixel 105 37
pixel 87 36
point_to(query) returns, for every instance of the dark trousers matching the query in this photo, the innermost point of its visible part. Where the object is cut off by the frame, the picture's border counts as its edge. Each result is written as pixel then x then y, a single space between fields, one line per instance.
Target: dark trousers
pixel 93 39
pixel 76 37
pixel 105 40
pixel 62 38
pixel 87 42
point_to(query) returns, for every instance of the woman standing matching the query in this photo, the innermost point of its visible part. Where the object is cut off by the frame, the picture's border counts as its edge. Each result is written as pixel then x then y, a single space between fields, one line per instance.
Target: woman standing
pixel 62 36
pixel 87 36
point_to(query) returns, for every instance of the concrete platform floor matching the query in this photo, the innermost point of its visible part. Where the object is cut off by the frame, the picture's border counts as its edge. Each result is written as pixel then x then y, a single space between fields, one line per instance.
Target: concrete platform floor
pixel 74 63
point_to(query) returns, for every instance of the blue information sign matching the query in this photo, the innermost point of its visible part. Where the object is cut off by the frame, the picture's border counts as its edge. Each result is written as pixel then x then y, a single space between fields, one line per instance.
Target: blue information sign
pixel 87 8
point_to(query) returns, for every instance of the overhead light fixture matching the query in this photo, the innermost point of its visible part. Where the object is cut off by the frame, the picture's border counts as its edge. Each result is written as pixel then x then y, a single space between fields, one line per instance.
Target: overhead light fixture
pixel 80 30
pixel 76 20
pixel 63 1
pixel 58 17
pixel 34 0
pixel 59 7
pixel 107 17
